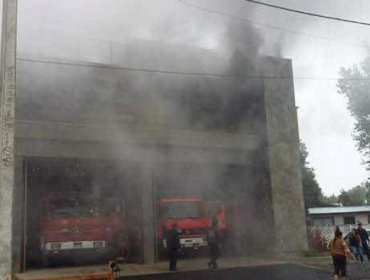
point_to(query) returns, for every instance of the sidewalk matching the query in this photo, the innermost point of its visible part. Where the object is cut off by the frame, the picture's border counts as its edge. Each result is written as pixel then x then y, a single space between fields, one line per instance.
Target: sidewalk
pixel 100 271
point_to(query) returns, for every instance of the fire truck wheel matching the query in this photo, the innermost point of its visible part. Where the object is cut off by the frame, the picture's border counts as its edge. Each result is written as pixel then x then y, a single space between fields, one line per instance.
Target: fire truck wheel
pixel 46 261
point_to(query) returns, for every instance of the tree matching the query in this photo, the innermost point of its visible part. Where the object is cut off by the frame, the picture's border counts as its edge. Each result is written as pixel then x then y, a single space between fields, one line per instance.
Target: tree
pixel 329 201
pixel 312 192
pixel 358 195
pixel 354 197
pixel 354 83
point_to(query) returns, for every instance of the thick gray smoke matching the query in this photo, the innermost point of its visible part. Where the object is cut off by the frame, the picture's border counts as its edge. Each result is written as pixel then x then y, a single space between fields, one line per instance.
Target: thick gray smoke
pixel 243 37
pixel 95 64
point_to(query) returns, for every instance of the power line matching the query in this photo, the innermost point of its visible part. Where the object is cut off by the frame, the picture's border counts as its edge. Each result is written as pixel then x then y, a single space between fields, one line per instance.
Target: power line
pixel 130 69
pixel 158 71
pixel 269 26
pixel 308 13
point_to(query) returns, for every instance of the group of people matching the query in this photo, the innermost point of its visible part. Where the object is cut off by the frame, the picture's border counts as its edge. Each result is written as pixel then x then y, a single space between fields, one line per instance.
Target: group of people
pixel 358 241
pixel 213 239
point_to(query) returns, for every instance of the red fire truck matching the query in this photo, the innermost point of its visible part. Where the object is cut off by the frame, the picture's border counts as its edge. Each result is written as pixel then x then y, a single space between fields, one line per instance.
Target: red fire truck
pixel 73 225
pixel 193 218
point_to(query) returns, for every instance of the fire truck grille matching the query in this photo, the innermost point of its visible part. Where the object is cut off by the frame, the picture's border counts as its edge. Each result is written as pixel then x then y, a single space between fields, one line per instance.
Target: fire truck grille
pixel 195 231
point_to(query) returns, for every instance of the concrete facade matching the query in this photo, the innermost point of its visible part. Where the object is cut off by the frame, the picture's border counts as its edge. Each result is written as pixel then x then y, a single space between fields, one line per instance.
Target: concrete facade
pixel 7 124
pixel 263 147
pixel 148 214
pixel 283 153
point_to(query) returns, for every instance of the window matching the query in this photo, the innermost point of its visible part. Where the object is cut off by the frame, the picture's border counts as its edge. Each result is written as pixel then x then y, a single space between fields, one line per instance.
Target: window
pixel 182 210
pixel 349 220
pixel 323 221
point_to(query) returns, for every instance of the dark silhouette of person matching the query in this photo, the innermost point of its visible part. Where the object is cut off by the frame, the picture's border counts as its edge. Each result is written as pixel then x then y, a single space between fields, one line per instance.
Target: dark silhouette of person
pixel 365 239
pixel 213 239
pixel 173 246
pixel 337 229
pixel 355 244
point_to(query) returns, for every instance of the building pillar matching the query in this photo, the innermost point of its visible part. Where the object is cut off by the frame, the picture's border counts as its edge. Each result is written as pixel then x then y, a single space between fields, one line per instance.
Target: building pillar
pixel 283 157
pixel 18 208
pixel 148 210
pixel 7 124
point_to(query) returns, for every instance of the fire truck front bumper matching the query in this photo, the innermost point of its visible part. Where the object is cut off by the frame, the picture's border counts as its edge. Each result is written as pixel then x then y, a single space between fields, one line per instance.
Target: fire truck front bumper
pixel 74 245
pixel 190 242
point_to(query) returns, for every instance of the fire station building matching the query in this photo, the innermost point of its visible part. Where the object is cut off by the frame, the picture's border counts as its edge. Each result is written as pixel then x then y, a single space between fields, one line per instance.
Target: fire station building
pixel 211 128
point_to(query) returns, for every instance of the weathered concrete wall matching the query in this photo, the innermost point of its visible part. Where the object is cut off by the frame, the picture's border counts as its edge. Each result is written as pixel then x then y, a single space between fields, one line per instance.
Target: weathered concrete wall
pixel 103 94
pixel 7 118
pixel 49 139
pixel 148 205
pixel 283 153
pixel 18 201
pixel 128 134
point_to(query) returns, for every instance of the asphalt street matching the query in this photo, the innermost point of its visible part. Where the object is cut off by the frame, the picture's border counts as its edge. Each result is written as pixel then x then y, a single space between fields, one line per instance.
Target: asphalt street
pixel 275 272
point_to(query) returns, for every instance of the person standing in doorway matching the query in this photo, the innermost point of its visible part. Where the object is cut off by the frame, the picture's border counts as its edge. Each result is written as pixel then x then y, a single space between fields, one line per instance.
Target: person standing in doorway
pixel 213 243
pixel 364 239
pixel 173 246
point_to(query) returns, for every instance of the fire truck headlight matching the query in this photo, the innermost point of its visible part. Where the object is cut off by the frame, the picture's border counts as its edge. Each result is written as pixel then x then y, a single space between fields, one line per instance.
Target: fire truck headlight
pixel 108 229
pixel 55 246
pixel 64 230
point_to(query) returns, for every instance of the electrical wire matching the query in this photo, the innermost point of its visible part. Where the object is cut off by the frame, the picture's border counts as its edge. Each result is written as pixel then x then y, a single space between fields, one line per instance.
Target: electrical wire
pixel 270 26
pixel 308 13
pixel 130 69
pixel 158 71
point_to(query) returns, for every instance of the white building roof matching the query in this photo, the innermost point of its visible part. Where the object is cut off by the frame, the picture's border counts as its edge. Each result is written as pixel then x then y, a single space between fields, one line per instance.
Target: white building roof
pixel 338 210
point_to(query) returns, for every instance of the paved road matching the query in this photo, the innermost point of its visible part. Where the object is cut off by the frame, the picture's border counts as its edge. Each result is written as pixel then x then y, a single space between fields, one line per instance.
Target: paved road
pixel 276 272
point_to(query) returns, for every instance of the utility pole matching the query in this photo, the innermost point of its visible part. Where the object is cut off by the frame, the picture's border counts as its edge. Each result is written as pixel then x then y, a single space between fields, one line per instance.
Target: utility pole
pixel 7 125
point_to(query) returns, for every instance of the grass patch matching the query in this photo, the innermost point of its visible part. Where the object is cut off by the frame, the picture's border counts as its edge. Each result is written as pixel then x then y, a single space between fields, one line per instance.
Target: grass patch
pixel 311 253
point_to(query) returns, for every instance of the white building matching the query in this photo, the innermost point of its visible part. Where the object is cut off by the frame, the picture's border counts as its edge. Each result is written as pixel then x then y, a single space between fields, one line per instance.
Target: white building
pixel 339 216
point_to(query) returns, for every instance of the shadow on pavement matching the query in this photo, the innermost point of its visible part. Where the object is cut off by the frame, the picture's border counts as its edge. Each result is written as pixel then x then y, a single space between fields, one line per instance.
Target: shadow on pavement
pixel 273 272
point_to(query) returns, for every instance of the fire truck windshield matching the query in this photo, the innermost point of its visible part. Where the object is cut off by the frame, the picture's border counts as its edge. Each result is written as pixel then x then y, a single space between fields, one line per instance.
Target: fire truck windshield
pixel 71 207
pixel 182 210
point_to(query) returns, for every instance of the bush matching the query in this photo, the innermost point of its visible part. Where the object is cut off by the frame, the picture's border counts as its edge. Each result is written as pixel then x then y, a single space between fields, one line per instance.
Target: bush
pixel 311 253
pixel 316 241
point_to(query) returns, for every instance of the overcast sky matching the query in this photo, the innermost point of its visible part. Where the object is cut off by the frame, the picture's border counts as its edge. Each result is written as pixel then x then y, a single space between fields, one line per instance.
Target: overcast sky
pixel 325 124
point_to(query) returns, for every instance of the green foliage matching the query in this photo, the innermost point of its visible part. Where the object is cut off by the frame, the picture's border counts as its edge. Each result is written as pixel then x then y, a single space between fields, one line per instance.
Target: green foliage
pixel 311 190
pixel 329 200
pixel 355 85
pixel 311 253
pixel 358 195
